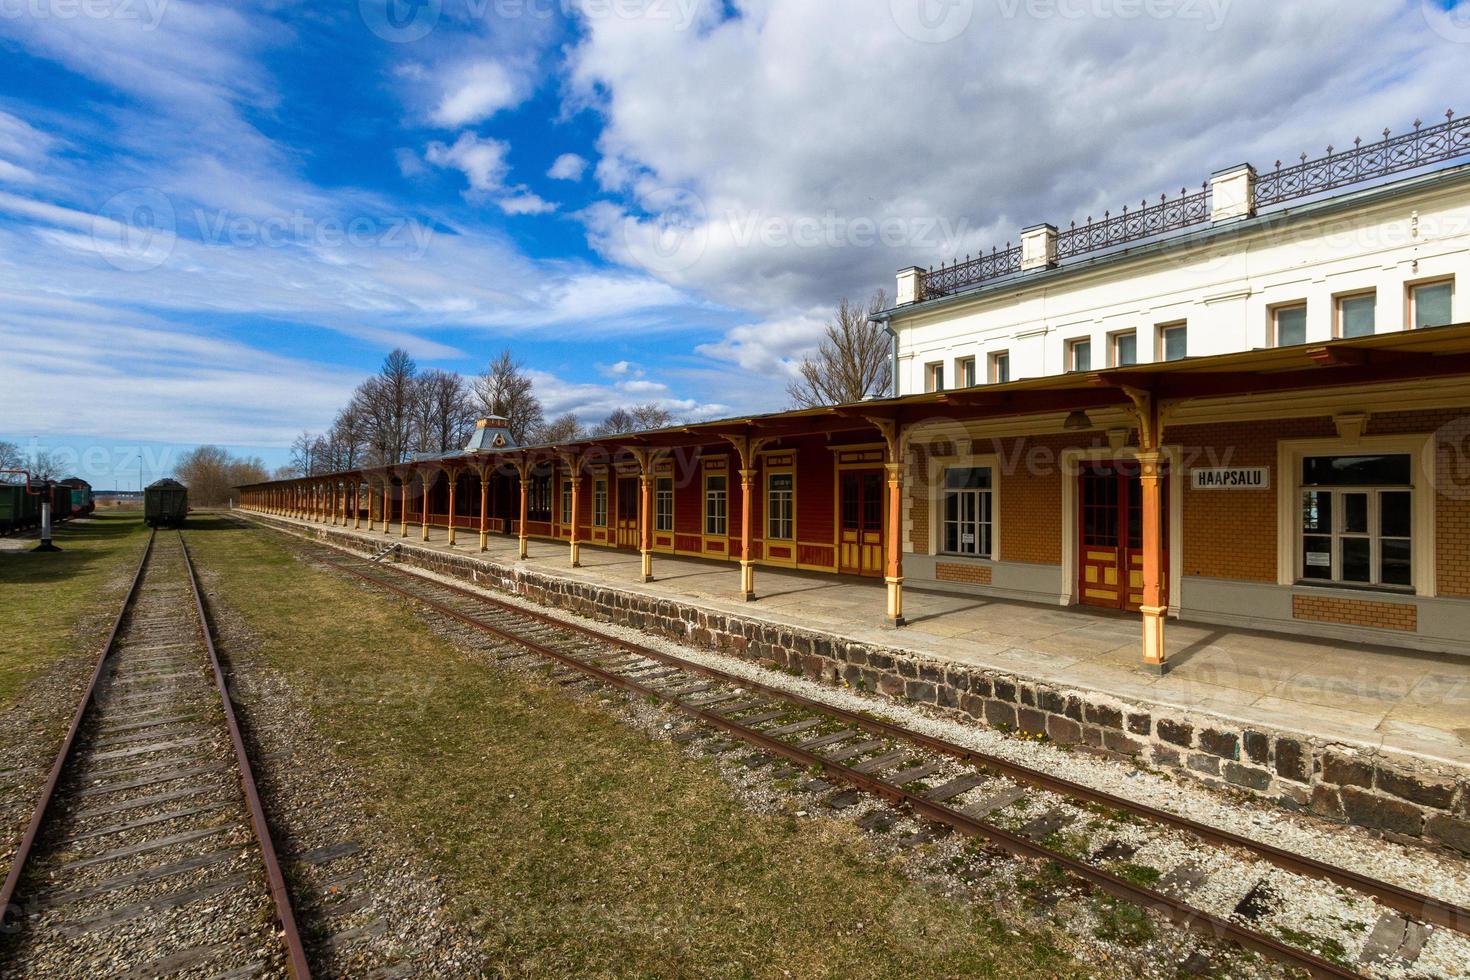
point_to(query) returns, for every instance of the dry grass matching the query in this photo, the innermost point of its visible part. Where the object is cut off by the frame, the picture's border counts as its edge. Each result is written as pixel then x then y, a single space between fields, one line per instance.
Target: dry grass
pixel 60 604
pixel 577 845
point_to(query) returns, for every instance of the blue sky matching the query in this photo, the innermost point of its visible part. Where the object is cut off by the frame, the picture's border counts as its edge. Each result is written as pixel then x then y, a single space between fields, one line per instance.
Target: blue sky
pixel 215 218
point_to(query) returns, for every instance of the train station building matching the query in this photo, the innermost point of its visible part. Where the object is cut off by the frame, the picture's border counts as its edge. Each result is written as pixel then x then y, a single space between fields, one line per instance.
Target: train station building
pixel 1241 412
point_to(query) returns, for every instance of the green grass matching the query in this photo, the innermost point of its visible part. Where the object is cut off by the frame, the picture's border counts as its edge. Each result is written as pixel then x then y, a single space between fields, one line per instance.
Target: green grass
pixel 575 844
pixel 62 603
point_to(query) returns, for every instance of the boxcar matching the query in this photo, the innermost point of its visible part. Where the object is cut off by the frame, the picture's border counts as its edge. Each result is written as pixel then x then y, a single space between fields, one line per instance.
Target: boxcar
pixel 81 496
pixel 165 503
pixel 17 508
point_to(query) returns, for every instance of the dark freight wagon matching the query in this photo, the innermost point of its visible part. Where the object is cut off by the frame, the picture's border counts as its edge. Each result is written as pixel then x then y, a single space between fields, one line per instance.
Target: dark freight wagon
pixel 165 503
pixel 19 510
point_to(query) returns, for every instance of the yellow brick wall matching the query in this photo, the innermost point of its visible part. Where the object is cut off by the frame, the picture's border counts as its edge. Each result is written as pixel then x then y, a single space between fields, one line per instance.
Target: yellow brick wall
pixel 1356 612
pixel 974 574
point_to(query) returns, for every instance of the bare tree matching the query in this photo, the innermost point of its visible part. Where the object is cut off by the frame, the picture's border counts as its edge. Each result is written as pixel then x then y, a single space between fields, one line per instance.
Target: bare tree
pixel 11 459
pixel 211 474
pixel 384 404
pixel 618 421
pixel 651 416
pixel 346 439
pixel 443 412
pixel 285 472
pixel 304 453
pixel 44 466
pixel 852 362
pixel 563 428
pixel 505 390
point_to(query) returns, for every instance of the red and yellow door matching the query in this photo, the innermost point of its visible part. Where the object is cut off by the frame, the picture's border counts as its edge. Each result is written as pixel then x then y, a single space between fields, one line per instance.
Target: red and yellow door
pixel 860 522
pixel 626 521
pixel 1110 525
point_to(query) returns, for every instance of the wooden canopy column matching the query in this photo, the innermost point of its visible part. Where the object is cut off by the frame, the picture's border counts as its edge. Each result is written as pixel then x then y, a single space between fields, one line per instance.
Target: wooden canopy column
pixel 1151 462
pixel 404 484
pixel 357 503
pixel 523 468
pixel 573 462
pixel 453 479
pixel 893 521
pixel 645 459
pixel 484 470
pixel 747 447
pixel 424 475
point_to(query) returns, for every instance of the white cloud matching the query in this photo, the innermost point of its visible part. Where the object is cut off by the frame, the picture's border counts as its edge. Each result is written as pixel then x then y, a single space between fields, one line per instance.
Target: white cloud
pixel 823 160
pixel 482 161
pixel 568 166
pixel 476 92
pixel 525 202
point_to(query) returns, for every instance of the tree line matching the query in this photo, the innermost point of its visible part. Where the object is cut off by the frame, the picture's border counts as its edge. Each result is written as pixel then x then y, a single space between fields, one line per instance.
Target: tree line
pixel 402 411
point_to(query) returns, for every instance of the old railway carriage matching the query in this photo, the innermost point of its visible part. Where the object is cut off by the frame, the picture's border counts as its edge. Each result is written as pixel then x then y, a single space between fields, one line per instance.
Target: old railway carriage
pixel 165 503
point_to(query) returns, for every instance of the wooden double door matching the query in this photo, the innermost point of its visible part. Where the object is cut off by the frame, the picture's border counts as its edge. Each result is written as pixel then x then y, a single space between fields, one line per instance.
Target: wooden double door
pixel 1110 522
pixel 626 515
pixel 860 521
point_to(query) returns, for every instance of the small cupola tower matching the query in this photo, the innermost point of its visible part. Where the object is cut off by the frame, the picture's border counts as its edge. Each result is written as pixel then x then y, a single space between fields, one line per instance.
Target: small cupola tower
pixel 491 435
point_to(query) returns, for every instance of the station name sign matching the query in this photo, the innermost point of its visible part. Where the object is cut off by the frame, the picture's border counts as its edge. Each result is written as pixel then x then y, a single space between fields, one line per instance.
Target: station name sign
pixel 1233 478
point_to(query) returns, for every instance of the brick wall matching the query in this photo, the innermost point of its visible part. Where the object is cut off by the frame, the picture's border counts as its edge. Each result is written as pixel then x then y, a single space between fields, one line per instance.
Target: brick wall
pixel 918 491
pixel 973 574
pixel 1356 612
pixel 1031 498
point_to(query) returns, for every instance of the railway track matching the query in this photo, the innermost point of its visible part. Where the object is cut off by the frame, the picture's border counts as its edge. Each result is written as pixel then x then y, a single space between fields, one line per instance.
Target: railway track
pixel 148 854
pixel 1094 836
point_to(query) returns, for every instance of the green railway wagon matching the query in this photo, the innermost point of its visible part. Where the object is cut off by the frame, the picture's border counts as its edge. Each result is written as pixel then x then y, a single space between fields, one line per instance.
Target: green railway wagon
pixel 165 503
pixel 18 509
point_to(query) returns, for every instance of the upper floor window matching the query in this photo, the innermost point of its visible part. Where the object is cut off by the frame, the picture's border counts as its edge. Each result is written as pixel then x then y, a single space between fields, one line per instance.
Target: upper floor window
pixel 1357 316
pixel 1079 355
pixel 964 372
pixel 1174 342
pixel 1357 520
pixel 1289 323
pixel 934 377
pixel 780 498
pixel 663 504
pixel 1125 348
pixel 714 505
pixel 1000 367
pixel 1429 304
pixel 967 511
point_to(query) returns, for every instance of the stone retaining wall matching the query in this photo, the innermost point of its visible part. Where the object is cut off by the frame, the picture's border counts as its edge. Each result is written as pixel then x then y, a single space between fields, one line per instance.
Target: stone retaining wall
pixel 1397 794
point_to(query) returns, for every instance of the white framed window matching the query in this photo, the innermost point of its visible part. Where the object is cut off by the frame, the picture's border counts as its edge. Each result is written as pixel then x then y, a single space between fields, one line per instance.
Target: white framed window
pixel 663 503
pixel 599 503
pixel 1357 315
pixel 1173 341
pixel 1430 304
pixel 566 501
pixel 1079 354
pixel 780 506
pixel 1124 348
pixel 968 511
pixel 1289 325
pixel 1357 520
pixel 964 372
pixel 1000 367
pixel 934 376
pixel 715 504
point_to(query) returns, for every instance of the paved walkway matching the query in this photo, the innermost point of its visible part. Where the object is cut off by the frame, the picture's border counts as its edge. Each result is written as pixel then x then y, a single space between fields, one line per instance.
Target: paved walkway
pixel 1368 695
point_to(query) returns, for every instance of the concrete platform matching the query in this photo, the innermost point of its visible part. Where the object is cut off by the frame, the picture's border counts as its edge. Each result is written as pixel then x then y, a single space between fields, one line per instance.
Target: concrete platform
pixel 1371 698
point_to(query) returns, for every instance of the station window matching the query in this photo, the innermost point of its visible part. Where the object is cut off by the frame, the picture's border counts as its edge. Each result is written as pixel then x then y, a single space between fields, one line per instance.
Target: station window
pixel 566 501
pixel 964 372
pixel 1124 348
pixel 1357 316
pixel 1429 304
pixel 1357 520
pixel 663 504
pixel 967 511
pixel 780 500
pixel 1174 342
pixel 1000 367
pixel 1079 355
pixel 934 377
pixel 1289 325
pixel 715 500
pixel 599 503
